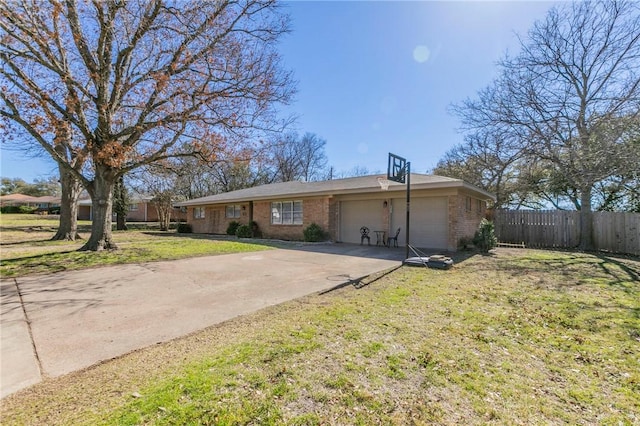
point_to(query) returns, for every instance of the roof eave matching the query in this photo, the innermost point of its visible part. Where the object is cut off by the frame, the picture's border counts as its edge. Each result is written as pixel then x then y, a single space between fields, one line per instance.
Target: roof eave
pixel 370 190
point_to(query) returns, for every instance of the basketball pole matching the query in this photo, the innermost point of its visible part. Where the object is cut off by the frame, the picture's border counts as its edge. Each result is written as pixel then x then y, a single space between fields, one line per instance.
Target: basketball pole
pixel 406 253
pixel 399 170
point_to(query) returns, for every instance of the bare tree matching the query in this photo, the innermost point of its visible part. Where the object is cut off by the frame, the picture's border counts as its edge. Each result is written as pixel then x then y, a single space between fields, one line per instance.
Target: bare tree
pixel 569 92
pixel 140 81
pixel 231 175
pixel 285 159
pixel 193 178
pixel 60 135
pixel 159 180
pixel 490 161
pixel 71 188
pixel 298 158
pixel 355 171
pixel 313 160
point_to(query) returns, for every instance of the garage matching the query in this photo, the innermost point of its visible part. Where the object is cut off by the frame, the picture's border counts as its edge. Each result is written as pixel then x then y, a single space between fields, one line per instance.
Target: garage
pixel 429 222
pixel 356 214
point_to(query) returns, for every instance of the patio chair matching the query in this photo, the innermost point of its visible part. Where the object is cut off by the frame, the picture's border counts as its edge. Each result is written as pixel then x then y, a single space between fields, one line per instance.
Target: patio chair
pixel 364 233
pixel 394 239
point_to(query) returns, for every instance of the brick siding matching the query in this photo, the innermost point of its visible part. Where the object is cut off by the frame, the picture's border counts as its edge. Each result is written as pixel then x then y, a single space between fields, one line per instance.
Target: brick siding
pixel 314 210
pixel 215 220
pixel 84 213
pixel 463 222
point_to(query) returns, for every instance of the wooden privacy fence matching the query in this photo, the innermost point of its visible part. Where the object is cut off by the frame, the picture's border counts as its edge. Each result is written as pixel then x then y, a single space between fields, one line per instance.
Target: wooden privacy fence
pixel 616 232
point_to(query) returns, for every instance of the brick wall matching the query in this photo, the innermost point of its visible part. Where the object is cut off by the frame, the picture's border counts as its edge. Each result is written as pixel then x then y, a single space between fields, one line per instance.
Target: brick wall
pixel 334 219
pixel 139 214
pixel 84 213
pixel 215 220
pixel 314 210
pixel 464 217
pixel 199 226
pixel 222 221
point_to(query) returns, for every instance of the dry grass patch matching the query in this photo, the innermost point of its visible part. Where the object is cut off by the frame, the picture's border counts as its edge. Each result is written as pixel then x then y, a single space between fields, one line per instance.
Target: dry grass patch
pixel 520 337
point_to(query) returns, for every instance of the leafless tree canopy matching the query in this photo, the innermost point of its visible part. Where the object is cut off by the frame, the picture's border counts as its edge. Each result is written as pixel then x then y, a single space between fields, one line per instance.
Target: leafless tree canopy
pixel 298 158
pixel 569 102
pixel 284 158
pixel 139 80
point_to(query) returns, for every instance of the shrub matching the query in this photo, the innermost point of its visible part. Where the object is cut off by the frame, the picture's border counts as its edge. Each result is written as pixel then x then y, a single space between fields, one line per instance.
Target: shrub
pixel 485 238
pixel 185 228
pixel 10 209
pixel 243 231
pixel 27 209
pixel 255 229
pixel 233 226
pixel 314 233
pixel 464 243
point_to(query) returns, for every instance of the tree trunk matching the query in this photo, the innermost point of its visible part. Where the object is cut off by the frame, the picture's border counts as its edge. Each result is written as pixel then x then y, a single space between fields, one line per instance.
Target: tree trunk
pixel 165 220
pixel 164 214
pixel 121 204
pixel 121 222
pixel 586 220
pixel 101 192
pixel 71 188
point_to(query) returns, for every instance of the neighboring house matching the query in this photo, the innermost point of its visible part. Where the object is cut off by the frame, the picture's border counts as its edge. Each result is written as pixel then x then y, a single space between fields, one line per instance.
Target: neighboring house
pixel 44 202
pixel 443 210
pixel 141 209
pixel 16 200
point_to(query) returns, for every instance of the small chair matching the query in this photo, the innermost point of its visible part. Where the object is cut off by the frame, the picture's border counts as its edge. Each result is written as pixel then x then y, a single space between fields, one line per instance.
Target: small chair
pixel 394 239
pixel 364 233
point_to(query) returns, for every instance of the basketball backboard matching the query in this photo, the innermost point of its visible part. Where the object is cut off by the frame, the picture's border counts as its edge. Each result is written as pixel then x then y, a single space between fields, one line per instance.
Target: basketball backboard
pixel 397 168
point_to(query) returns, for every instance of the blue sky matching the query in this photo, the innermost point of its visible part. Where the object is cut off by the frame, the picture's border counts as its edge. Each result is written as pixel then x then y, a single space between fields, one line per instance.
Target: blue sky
pixel 375 77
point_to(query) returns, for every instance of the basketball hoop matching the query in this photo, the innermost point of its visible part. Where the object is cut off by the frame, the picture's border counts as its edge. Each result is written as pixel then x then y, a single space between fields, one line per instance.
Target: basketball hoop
pixel 384 183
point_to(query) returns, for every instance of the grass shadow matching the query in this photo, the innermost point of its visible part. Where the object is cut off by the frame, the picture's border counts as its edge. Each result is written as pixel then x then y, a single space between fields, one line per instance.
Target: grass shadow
pixel 194 236
pixel 40 256
pixel 578 268
pixel 462 256
pixel 631 272
pixel 18 243
pixel 362 281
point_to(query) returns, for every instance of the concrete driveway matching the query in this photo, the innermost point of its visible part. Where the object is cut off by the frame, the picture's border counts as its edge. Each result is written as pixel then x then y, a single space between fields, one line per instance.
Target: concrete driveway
pixel 54 324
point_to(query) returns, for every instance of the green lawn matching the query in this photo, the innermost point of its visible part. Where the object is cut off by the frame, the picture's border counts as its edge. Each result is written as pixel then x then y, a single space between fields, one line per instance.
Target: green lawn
pixel 518 337
pixel 26 248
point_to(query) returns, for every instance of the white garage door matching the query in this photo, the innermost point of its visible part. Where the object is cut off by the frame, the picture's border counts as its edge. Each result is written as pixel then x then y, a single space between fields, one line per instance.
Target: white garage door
pixel 429 222
pixel 356 214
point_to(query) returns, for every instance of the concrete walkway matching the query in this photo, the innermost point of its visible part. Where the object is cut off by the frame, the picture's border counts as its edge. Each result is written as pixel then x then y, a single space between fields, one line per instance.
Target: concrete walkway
pixel 54 324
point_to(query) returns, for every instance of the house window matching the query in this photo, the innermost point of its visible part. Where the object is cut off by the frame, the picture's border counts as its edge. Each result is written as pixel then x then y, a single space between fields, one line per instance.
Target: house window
pixel 198 212
pixel 468 203
pixel 286 213
pixel 233 211
pixel 133 207
pixel 479 206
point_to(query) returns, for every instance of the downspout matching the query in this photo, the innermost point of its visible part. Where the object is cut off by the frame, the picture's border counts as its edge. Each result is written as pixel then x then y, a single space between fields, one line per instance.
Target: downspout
pixel 251 217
